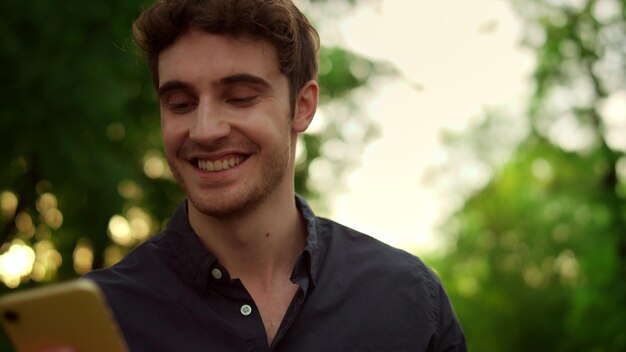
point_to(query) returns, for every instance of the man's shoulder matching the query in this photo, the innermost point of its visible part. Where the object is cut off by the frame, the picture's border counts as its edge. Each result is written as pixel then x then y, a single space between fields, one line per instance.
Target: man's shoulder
pixel 146 257
pixel 387 280
pixel 341 241
pixel 351 240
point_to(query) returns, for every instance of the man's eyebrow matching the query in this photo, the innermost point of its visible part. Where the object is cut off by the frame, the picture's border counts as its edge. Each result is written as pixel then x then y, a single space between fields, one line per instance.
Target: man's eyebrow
pixel 245 78
pixel 173 85
pixel 228 80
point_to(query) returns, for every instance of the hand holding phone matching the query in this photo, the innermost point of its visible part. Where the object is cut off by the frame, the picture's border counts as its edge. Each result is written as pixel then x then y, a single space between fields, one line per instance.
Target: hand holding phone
pixel 66 317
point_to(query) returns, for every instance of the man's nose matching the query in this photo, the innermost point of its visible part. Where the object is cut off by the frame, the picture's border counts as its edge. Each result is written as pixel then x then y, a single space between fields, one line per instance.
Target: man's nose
pixel 210 123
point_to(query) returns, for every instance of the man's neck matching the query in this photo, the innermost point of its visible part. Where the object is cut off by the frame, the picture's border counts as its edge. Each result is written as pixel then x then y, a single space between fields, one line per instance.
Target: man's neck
pixel 260 246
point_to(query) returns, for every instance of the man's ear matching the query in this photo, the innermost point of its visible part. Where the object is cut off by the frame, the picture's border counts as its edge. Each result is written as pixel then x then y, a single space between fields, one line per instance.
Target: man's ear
pixel 305 107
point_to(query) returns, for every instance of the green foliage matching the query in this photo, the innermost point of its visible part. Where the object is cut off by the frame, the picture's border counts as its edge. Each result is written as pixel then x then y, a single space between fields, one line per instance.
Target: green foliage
pixel 80 137
pixel 536 252
pixel 70 83
pixel 341 72
pixel 538 260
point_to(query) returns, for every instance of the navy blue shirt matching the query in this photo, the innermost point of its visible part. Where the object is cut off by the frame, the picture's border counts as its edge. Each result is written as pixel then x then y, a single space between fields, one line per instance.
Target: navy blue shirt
pixel 356 294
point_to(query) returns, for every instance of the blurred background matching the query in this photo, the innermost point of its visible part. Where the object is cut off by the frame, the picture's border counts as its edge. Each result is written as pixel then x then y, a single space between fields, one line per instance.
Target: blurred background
pixel 487 137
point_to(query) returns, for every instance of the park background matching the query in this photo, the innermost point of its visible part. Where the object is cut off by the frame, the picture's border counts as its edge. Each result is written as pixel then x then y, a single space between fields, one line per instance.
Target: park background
pixel 487 137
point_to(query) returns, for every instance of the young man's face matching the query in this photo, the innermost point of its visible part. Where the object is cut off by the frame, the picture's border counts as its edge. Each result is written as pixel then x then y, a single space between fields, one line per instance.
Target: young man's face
pixel 226 121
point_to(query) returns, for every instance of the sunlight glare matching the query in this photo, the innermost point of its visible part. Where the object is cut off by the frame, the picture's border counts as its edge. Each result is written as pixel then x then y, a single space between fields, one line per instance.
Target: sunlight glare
pixel 120 231
pixel 16 263
pixel 8 204
pixel 457 58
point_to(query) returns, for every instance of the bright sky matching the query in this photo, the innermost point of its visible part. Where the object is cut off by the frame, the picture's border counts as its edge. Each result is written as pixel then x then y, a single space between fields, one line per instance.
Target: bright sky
pixel 463 56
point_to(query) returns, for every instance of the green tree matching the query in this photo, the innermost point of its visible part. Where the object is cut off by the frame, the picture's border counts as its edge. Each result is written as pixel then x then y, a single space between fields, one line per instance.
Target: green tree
pixel 537 256
pixel 83 177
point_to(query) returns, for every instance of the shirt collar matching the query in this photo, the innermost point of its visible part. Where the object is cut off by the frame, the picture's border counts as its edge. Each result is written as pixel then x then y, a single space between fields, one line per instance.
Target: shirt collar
pixel 198 262
pixel 311 249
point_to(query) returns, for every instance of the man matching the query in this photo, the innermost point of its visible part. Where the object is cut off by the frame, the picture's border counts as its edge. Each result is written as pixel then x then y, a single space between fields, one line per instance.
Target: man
pixel 244 265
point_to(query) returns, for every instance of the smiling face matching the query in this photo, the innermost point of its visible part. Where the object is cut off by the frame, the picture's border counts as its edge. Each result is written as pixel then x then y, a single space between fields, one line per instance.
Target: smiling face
pixel 227 123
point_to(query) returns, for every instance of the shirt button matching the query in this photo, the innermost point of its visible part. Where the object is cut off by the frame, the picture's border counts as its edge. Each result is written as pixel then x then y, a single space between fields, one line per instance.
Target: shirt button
pixel 245 310
pixel 216 273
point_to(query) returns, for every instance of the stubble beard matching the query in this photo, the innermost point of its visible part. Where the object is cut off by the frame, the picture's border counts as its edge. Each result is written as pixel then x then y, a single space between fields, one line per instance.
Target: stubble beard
pixel 228 204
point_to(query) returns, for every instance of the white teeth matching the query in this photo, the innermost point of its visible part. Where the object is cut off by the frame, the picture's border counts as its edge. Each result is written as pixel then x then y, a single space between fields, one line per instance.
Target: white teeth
pixel 219 165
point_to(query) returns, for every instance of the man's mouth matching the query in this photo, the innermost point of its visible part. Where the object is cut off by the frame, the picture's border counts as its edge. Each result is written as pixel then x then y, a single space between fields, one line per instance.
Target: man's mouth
pixel 220 164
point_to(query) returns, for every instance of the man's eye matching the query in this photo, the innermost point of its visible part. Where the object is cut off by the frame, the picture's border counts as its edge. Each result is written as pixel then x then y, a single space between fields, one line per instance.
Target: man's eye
pixel 179 108
pixel 242 101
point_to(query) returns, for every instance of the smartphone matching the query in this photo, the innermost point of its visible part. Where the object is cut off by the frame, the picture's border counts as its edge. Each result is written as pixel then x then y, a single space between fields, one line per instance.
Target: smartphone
pixel 69 316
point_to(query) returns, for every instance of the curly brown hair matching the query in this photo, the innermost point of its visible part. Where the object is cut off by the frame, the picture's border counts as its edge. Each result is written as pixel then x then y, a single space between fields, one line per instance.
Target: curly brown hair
pixel 279 22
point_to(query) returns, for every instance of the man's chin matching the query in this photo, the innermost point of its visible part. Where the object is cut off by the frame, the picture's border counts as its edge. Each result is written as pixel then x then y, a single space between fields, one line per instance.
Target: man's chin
pixel 223 208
